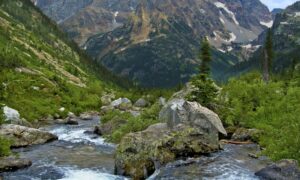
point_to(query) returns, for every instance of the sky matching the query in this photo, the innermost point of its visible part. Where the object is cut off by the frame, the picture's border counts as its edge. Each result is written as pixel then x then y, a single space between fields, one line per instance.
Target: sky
pixel 278 3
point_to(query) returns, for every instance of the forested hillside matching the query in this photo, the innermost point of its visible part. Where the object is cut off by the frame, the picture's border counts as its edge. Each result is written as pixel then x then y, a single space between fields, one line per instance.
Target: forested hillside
pixel 40 70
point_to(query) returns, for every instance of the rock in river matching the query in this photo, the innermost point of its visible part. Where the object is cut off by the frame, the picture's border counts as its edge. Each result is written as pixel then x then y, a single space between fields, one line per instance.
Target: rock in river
pixel 286 169
pixel 13 163
pixel 189 130
pixel 23 136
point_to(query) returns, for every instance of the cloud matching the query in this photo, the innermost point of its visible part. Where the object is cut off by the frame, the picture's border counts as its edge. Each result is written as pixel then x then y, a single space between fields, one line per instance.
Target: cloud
pixel 278 3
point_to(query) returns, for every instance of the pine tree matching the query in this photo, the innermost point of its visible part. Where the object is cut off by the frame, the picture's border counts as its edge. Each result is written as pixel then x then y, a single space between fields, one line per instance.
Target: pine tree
pixel 268 57
pixel 206 90
pixel 205 57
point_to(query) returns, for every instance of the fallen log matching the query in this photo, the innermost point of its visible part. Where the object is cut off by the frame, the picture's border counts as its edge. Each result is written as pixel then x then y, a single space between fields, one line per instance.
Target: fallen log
pixel 235 142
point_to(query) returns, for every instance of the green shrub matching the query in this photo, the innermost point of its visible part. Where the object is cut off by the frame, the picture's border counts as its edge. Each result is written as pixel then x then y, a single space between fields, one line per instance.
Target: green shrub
pixel 1 115
pixel 115 113
pixel 273 108
pixel 206 92
pixel 134 124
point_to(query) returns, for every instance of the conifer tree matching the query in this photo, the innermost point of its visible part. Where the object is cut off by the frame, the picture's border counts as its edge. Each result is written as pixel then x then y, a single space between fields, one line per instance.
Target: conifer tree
pixel 268 56
pixel 206 90
pixel 205 57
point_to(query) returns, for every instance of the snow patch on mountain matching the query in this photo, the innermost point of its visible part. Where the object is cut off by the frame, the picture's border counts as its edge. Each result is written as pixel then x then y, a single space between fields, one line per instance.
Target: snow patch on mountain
pixel 223 6
pixel 267 24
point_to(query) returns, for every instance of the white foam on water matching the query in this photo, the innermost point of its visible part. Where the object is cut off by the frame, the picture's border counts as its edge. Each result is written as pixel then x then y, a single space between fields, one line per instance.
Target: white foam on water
pixel 87 174
pixel 78 136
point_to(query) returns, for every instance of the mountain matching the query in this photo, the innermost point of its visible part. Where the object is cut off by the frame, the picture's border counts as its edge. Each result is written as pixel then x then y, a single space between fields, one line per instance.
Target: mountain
pixel 41 71
pixel 276 11
pixel 159 43
pixel 155 43
pixel 286 43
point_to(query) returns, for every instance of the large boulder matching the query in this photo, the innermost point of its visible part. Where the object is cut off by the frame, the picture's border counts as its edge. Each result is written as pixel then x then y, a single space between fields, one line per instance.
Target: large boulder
pixel 286 169
pixel 179 111
pixel 21 136
pixel 139 154
pixel 13 163
pixel 188 130
pixel 141 103
pixel 122 104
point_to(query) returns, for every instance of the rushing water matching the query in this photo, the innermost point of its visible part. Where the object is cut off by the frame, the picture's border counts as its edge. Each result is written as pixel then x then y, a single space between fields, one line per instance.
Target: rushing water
pixel 81 155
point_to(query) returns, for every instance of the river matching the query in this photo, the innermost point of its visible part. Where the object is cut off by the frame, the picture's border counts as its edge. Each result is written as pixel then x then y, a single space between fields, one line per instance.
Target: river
pixel 81 155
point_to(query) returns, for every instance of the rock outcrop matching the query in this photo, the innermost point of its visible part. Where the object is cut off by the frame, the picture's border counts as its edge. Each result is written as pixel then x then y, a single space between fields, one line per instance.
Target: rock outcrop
pixel 13 164
pixel 187 130
pixel 286 169
pixel 21 136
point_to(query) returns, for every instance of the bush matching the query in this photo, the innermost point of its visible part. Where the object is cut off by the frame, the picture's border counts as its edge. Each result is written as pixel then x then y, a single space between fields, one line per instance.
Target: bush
pixel 273 108
pixel 1 115
pixel 134 124
pixel 206 92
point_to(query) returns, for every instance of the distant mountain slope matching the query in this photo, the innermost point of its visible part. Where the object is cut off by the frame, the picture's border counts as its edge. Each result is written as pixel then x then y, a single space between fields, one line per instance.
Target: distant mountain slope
pixel 286 42
pixel 155 42
pixel 159 43
pixel 40 70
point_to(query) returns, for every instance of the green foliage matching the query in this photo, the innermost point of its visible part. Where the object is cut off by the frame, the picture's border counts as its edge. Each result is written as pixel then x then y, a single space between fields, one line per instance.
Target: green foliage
pixel 273 108
pixel 205 56
pixel 4 147
pixel 134 124
pixel 206 91
pixel 115 113
pixel 1 115
pixel 268 56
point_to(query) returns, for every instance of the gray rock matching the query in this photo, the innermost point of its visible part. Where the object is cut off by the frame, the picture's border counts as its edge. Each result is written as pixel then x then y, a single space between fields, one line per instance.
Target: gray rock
pixel 122 104
pixel 71 121
pixel 139 153
pixel 11 114
pixel 187 90
pixel 13 164
pixel 109 127
pixel 135 113
pixel 243 134
pixel 87 116
pixel 162 101
pixel 106 99
pixel 286 169
pixel 23 136
pixel 105 109
pixel 71 115
pixel 141 103
pixel 179 111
